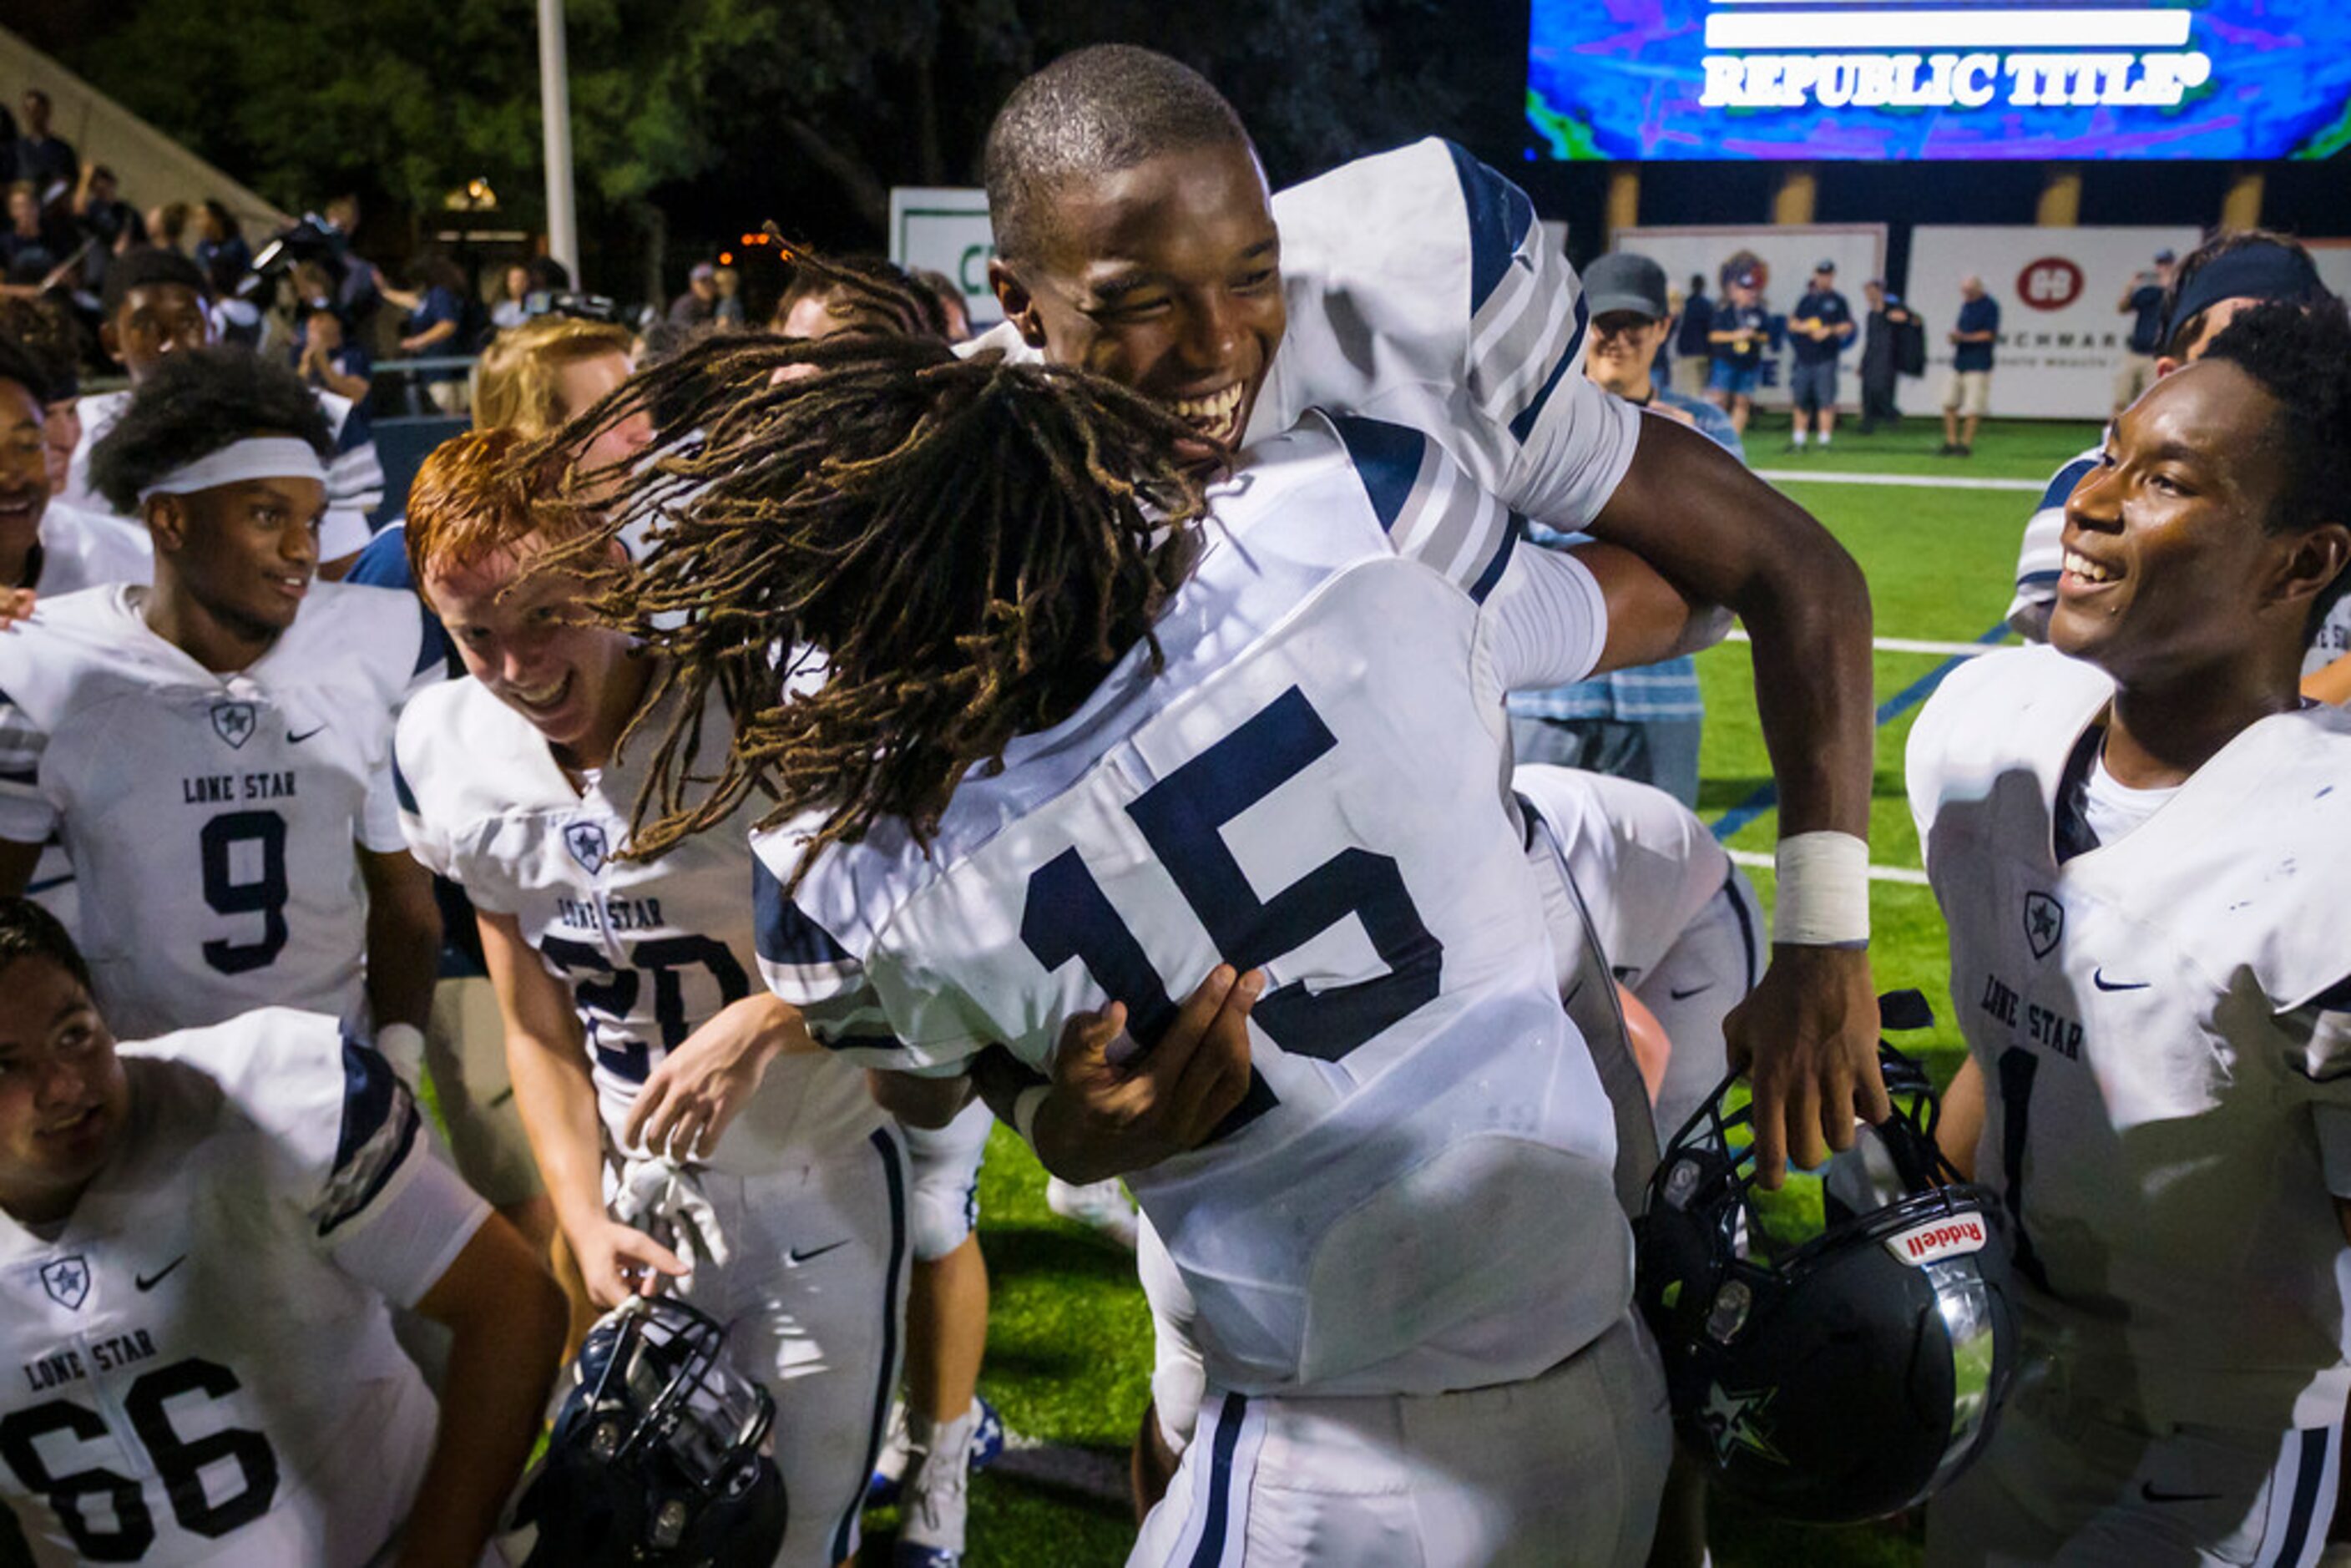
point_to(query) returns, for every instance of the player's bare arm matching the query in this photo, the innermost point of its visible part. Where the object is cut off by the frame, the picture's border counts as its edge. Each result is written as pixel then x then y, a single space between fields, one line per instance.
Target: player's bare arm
pixel 506 1319
pixel 1807 1035
pixel 17 863
pixel 686 1106
pixel 549 1062
pixel 1649 620
pixel 403 937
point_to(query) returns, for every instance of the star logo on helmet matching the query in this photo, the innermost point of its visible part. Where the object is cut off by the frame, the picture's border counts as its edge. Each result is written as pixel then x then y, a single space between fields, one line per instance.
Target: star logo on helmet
pixel 1734 1422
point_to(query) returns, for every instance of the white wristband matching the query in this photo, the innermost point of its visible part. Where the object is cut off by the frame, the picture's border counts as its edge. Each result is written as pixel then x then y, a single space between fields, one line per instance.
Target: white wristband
pixel 1823 890
pixel 1024 1111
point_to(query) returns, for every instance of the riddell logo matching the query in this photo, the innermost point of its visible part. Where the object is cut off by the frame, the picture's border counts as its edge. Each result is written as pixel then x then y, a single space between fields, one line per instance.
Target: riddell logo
pixel 1943 1239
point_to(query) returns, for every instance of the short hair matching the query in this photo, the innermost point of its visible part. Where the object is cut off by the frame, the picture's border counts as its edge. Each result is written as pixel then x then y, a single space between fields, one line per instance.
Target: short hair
pixel 46 334
pixel 2182 335
pixel 197 402
pixel 514 383
pixel 29 931
pixel 2301 354
pixel 471 500
pixel 1094 111
pixel 150 267
pixel 17 364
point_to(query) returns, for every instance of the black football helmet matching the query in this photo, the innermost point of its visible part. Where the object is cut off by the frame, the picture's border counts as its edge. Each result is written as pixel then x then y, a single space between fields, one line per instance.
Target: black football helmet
pixel 658 1455
pixel 1837 1363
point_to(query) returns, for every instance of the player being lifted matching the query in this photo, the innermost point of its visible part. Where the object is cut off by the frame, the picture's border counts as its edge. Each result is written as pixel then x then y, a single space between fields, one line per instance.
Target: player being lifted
pixel 215 749
pixel 633 1010
pixel 1135 239
pixel 1289 759
pixel 198 1238
pixel 2140 836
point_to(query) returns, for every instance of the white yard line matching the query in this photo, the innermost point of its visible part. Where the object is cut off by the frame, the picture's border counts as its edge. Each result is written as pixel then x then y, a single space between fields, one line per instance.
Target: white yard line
pixel 1914 481
pixel 1911 645
pixel 1903 874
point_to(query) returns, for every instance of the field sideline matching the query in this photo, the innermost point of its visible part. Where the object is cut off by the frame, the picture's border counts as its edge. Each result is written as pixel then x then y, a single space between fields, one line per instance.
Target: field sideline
pixel 1069 1340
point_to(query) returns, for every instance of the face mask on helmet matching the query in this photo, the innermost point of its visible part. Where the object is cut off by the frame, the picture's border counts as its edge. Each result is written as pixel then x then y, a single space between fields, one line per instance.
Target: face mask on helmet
pixel 1835 1351
pixel 658 1453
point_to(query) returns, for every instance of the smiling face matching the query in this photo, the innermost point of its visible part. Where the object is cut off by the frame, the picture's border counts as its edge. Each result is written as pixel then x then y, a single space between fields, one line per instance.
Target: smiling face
pixel 2167 565
pixel 1620 350
pixel 245 552
pixel 1164 277
pixel 24 472
pixel 63 1096
pixel 527 637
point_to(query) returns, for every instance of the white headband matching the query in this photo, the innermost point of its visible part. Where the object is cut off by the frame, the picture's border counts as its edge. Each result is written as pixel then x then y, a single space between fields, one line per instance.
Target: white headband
pixel 255 457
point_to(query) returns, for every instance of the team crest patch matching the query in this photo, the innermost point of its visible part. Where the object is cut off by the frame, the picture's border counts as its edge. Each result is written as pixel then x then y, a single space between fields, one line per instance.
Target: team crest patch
pixel 2044 922
pixel 1734 1421
pixel 67 1280
pixel 233 722
pixel 587 844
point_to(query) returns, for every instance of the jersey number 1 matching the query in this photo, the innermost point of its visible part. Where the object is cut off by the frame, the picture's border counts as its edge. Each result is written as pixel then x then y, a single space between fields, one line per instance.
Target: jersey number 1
pixel 1182 817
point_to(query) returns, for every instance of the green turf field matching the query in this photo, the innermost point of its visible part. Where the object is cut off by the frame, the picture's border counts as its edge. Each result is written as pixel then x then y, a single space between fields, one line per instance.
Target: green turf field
pixel 1069 1343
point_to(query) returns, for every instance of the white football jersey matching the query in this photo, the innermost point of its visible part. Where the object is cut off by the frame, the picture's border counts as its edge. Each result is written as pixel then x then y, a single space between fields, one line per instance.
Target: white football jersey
pixel 2334 639
pixel 1415 1194
pixel 1421 290
pixel 1644 864
pixel 83 548
pixel 210 818
pixel 2164 1029
pixel 354 473
pixel 649 952
pixel 207 1372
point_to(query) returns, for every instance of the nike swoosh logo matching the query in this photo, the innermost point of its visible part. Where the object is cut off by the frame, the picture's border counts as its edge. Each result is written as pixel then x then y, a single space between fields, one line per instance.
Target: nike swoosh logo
pixel 796 1257
pixel 294 739
pixel 2147 1490
pixel 2098 979
pixel 149 1281
pixel 1684 996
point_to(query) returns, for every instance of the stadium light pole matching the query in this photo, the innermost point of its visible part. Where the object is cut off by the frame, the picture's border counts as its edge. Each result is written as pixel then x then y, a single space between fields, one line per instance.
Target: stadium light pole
pixel 555 117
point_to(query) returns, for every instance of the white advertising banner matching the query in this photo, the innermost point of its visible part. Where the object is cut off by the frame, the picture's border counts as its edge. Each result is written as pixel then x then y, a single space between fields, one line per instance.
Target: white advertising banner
pixel 2334 259
pixel 1788 254
pixel 2063 334
pixel 944 228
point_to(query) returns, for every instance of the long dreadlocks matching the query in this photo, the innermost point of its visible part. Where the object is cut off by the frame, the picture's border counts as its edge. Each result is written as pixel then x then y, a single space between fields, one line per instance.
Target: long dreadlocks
pixel 968 546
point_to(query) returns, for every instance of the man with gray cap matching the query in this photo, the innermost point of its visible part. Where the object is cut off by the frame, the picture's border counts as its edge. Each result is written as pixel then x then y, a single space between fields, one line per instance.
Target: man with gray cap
pixel 1644 723
pixel 1817 334
pixel 2143 301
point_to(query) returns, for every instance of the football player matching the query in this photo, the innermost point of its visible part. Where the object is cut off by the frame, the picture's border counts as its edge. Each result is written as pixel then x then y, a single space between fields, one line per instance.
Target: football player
pixel 155 307
pixel 2139 838
pixel 748 1173
pixel 200 1237
pixel 1048 764
pixel 1135 239
pixel 215 749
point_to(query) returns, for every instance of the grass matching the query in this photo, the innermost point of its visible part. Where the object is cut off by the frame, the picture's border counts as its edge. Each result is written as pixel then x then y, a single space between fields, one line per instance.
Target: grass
pixel 1069 1340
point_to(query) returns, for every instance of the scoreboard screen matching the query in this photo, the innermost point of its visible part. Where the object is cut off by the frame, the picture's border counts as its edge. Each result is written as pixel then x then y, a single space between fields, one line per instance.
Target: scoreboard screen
pixel 1647 80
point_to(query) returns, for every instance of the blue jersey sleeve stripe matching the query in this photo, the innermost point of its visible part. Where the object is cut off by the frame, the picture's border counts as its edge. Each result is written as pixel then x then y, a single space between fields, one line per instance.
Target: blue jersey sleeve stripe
pixel 1524 424
pixel 1495 568
pixel 1388 459
pixel 380 1123
pixel 2062 486
pixel 400 793
pixel 1500 215
pixel 784 934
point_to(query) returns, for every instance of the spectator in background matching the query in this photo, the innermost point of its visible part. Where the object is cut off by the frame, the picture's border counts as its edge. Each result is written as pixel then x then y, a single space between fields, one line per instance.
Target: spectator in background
pixel 236 318
pixel 325 359
pixel 219 238
pixel 1895 346
pixel 513 290
pixel 949 294
pixel 167 225
pixel 1640 724
pixel 46 159
pixel 699 303
pixel 2142 300
pixel 359 286
pixel 1817 334
pixel 1969 392
pixel 1736 336
pixel 729 312
pixel 1692 352
pixel 112 225
pixel 434 327
pixel 29 246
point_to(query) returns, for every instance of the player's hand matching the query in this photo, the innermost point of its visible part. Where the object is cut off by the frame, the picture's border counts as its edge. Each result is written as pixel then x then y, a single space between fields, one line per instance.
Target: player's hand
pixel 1116 1108
pixel 16 604
pixel 1807 1041
pixel 685 1106
pixel 617 1262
